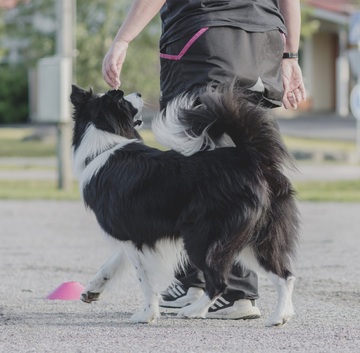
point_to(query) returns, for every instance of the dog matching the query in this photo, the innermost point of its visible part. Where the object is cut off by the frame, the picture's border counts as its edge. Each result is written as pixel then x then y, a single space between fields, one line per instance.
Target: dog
pixel 204 202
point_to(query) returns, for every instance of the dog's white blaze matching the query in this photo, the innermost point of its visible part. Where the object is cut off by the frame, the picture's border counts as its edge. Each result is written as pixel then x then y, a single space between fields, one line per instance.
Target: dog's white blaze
pixel 94 166
pixel 170 132
pixel 99 145
pixel 135 100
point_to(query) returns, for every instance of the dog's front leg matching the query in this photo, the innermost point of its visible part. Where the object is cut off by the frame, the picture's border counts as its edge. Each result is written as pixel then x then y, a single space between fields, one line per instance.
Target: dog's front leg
pixel 150 310
pixel 103 277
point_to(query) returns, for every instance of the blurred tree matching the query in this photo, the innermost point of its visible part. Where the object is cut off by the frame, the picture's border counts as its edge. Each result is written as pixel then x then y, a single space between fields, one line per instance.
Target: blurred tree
pixel 97 23
pixel 2 27
pixel 32 27
pixel 309 25
pixel 28 30
pixel 13 94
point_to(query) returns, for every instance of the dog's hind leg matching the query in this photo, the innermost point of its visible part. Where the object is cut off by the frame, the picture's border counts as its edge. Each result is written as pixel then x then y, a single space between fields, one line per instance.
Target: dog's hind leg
pixel 284 309
pixel 117 261
pixel 278 273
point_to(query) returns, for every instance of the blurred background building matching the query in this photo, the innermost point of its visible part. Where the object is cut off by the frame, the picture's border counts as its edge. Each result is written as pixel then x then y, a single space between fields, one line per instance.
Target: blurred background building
pixel 325 55
pixel 330 61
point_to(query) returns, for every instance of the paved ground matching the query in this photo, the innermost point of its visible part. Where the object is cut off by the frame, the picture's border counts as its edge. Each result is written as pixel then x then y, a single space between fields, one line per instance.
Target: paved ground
pixel 44 244
pixel 325 126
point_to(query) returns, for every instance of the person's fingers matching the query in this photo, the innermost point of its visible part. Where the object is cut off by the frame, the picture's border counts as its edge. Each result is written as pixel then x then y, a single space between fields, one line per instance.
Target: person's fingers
pixel 289 100
pixel 298 95
pixel 292 100
pixel 303 91
pixel 110 74
pixel 115 75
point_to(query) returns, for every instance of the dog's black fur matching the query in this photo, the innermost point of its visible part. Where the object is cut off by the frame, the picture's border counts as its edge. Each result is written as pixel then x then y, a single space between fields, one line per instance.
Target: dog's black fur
pixel 219 202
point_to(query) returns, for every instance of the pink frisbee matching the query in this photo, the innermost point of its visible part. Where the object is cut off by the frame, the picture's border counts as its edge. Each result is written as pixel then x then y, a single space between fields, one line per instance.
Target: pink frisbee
pixel 67 291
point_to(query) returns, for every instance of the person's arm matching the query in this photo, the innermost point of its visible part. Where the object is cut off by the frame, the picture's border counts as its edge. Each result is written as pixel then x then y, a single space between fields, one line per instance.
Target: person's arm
pixel 140 14
pixel 294 89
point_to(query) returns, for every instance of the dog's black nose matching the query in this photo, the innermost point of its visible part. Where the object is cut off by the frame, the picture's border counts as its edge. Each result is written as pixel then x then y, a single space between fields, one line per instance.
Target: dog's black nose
pixel 138 94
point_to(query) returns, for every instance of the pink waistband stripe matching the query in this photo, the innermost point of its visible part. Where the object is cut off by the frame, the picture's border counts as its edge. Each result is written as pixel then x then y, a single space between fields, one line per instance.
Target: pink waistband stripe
pixel 186 47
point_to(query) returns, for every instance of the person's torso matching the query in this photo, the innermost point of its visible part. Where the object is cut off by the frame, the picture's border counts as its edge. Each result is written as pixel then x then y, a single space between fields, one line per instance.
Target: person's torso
pixel 183 17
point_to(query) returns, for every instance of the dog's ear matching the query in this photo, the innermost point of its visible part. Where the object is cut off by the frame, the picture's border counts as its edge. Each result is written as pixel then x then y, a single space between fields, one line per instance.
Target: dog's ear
pixel 115 94
pixel 79 95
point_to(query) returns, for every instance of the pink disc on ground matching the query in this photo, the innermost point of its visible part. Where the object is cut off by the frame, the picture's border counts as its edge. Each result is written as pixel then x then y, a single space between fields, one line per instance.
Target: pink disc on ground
pixel 67 291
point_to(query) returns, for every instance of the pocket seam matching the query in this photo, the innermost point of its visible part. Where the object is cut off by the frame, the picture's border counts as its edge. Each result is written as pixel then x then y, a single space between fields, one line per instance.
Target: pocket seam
pixel 186 47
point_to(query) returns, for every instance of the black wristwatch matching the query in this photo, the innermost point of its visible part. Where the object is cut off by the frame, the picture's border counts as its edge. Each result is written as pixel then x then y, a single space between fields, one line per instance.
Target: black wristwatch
pixel 290 55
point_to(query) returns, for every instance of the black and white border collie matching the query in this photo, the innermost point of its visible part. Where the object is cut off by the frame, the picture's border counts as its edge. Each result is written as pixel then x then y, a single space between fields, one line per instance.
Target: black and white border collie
pixel 196 203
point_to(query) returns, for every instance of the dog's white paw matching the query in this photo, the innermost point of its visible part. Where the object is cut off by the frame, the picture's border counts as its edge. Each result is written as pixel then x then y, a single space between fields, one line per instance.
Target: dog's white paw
pixel 278 321
pixel 192 312
pixel 145 317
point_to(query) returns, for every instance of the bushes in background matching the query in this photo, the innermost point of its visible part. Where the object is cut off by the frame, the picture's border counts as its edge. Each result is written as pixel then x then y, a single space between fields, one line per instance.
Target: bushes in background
pixel 14 106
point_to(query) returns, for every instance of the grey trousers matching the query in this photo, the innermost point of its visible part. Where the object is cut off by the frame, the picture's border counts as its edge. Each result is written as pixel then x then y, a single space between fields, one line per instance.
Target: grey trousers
pixel 216 55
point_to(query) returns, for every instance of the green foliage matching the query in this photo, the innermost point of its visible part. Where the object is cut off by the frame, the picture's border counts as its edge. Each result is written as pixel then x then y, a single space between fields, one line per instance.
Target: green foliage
pixel 2 27
pixel 97 25
pixel 329 191
pixel 309 25
pixel 13 94
pixel 36 190
pixel 32 25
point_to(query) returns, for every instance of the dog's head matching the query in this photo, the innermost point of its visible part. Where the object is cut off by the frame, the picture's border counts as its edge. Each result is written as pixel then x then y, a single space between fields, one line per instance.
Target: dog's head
pixel 111 112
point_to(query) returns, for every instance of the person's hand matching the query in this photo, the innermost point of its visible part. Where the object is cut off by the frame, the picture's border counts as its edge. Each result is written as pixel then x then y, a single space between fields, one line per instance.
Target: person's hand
pixel 294 89
pixel 113 62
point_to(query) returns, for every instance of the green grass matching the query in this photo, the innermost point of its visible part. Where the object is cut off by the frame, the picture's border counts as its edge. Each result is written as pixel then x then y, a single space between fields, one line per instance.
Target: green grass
pixel 329 191
pixel 36 190
pixel 13 144
pixel 309 144
pixel 25 167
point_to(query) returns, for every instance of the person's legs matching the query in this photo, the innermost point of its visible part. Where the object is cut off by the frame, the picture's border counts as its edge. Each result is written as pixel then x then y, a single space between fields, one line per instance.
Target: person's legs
pixel 254 59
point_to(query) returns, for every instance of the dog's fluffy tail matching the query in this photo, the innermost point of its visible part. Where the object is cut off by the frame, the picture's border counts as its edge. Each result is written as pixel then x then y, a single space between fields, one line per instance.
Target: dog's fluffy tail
pixel 193 123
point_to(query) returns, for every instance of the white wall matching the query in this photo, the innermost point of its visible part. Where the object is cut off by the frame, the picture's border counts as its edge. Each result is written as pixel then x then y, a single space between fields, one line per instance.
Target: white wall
pixel 323 79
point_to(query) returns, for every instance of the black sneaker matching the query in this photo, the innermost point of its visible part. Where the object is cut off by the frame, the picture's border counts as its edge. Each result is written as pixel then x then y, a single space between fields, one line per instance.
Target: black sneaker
pixel 178 296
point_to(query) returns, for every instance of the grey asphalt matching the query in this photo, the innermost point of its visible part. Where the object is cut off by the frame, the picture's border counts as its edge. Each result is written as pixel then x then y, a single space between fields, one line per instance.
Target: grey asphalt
pixel 320 126
pixel 47 243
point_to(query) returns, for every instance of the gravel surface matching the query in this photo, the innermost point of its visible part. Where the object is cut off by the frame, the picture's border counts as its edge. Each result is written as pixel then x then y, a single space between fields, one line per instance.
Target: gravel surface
pixel 44 244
